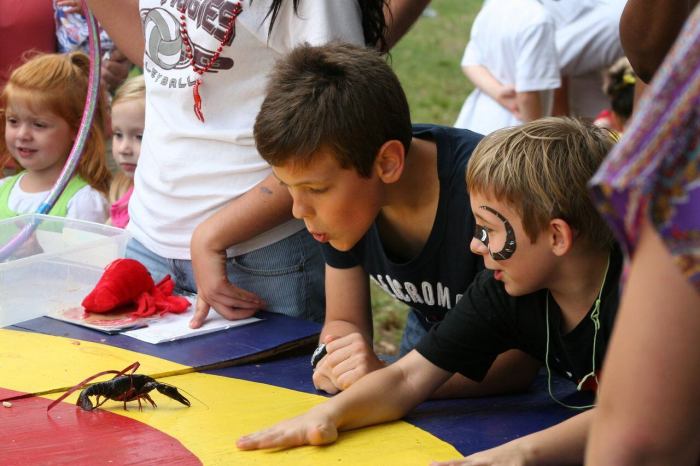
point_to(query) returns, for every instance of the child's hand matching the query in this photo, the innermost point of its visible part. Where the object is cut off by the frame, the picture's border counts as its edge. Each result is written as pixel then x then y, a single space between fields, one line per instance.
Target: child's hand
pixel 214 290
pixel 114 70
pixel 312 428
pixel 71 6
pixel 507 98
pixel 347 360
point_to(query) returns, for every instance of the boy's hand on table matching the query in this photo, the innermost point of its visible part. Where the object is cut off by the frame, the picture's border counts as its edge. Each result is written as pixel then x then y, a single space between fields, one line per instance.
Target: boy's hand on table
pixel 348 359
pixel 214 290
pixel 312 428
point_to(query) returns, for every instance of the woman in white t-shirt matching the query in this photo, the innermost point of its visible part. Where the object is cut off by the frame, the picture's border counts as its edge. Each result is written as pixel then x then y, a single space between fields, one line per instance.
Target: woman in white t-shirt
pixel 205 65
pixel 511 59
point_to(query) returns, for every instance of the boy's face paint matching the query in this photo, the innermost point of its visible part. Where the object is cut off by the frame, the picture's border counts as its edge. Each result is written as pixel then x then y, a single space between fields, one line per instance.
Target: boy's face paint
pixel 503 244
pixel 497 227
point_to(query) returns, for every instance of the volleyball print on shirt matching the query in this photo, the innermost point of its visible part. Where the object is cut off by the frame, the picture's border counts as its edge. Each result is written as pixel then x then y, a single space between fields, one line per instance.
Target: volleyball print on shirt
pixel 165 46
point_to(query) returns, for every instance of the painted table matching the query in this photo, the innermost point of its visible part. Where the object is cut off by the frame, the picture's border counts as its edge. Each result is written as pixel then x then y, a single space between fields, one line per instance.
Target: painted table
pixel 237 381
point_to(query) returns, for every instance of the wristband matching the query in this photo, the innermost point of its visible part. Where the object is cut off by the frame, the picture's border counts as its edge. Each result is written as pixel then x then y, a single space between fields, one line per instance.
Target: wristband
pixel 319 353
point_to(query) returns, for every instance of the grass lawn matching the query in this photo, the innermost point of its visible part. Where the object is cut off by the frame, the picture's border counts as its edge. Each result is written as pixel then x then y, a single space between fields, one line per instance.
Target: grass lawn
pixel 427 61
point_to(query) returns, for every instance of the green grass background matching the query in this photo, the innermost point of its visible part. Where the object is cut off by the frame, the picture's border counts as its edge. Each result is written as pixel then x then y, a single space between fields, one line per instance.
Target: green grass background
pixel 426 61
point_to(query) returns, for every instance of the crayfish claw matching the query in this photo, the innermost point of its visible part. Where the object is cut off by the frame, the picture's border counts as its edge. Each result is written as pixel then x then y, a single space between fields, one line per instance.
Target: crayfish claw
pixel 84 402
pixel 172 392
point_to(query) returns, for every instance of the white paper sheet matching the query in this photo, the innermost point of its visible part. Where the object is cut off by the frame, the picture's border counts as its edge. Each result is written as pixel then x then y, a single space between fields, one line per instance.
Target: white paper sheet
pixel 173 327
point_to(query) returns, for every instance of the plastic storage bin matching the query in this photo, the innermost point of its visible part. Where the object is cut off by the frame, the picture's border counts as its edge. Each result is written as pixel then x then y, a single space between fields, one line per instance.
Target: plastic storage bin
pixel 56 267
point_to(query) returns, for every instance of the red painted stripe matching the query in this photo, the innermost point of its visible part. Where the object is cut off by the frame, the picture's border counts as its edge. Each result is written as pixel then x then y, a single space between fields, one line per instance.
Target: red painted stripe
pixel 69 435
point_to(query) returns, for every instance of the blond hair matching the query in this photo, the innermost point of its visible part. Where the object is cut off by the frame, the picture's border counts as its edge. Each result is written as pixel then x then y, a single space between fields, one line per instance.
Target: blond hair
pixel 58 83
pixel 541 169
pixel 133 88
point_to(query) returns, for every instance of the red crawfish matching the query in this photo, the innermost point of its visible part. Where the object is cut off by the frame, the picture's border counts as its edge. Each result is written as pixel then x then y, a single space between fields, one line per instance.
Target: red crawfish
pixel 125 386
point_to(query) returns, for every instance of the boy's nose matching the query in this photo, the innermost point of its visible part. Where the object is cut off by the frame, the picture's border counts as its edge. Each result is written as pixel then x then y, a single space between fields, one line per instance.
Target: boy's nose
pixel 300 209
pixel 477 247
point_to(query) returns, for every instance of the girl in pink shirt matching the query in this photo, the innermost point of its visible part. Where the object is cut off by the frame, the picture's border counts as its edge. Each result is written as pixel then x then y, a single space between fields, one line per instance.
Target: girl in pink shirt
pixel 128 116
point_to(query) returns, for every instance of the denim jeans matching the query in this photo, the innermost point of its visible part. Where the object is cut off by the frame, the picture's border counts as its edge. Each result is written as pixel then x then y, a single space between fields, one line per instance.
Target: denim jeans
pixel 288 275
pixel 412 333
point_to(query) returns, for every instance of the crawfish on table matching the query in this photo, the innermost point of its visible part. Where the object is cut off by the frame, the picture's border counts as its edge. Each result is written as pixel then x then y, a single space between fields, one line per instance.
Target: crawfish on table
pixel 123 387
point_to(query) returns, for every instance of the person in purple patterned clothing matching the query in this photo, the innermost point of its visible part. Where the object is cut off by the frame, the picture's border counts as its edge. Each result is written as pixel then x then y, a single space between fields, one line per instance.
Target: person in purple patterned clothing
pixel 649 190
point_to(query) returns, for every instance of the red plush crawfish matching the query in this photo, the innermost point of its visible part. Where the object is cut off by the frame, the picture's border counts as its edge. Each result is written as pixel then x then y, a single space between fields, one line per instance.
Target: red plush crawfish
pixel 122 387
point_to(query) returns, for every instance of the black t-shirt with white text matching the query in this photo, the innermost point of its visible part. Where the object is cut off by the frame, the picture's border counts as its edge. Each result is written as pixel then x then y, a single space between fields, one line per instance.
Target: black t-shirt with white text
pixel 487 322
pixel 434 280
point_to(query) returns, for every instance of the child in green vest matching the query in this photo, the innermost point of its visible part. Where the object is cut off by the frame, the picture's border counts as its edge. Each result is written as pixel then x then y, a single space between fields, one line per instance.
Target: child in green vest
pixel 40 111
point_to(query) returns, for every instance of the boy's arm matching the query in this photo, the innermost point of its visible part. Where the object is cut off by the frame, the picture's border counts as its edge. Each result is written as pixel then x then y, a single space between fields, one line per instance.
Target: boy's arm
pixel 563 443
pixel 123 24
pixel 482 78
pixel 511 372
pixel 347 331
pixel 384 395
pixel 265 206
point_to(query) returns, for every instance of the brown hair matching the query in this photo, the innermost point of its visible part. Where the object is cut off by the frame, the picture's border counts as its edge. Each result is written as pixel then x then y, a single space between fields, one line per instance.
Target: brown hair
pixel 374 24
pixel 338 97
pixel 58 83
pixel 541 169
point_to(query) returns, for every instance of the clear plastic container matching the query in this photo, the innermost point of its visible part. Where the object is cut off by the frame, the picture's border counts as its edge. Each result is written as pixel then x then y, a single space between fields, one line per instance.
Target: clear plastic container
pixel 56 267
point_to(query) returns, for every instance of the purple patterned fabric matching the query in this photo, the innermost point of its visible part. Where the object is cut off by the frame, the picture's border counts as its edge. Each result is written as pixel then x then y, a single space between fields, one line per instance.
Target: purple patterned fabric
pixel 654 171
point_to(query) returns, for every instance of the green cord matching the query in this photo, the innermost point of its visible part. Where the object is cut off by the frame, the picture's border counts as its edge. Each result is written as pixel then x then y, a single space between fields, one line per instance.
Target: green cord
pixel 595 317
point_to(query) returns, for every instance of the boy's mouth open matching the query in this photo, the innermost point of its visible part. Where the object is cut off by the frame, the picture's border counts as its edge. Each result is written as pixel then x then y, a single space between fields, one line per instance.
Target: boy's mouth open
pixel 320 237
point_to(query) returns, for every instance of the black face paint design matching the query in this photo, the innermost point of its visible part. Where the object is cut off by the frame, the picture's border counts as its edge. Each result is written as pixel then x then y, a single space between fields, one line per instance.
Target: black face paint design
pixel 509 246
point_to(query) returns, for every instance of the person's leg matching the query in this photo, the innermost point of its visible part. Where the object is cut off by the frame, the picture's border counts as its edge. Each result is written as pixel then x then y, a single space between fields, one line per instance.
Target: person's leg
pixel 412 332
pixel 288 275
pixel 158 266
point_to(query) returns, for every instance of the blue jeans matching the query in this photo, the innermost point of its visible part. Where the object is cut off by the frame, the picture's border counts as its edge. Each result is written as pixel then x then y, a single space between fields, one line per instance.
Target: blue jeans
pixel 288 275
pixel 412 333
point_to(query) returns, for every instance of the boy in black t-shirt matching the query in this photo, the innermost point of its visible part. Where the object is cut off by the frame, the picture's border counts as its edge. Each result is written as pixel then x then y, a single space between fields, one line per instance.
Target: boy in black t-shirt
pixel 386 199
pixel 551 290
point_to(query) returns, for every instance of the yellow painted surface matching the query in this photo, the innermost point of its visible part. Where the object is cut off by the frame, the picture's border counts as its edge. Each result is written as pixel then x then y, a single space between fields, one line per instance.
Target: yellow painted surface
pixel 222 408
pixel 34 363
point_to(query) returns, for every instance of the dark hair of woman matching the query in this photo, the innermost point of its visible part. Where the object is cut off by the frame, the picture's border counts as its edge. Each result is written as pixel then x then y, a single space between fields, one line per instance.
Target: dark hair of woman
pixel 373 23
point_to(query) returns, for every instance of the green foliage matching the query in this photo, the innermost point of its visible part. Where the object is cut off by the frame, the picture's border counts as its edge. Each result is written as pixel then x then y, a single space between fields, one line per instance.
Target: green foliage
pixel 426 61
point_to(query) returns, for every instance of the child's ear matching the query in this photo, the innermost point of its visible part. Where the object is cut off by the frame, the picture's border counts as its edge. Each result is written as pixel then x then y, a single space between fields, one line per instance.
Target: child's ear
pixel 389 162
pixel 561 236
